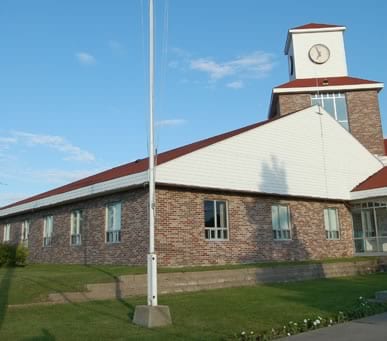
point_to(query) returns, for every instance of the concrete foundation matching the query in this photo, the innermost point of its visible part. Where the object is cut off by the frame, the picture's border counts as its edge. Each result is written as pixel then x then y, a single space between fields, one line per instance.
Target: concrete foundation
pixel 150 317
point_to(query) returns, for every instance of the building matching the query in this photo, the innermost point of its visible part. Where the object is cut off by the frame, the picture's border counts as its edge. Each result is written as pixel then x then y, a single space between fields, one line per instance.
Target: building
pixel 308 183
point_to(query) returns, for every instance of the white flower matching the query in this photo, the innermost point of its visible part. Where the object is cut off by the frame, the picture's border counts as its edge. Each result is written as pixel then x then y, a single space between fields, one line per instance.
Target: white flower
pixel 251 333
pixel 243 333
pixel 361 297
pixel 314 323
pixel 330 321
pixel 305 321
pixel 289 334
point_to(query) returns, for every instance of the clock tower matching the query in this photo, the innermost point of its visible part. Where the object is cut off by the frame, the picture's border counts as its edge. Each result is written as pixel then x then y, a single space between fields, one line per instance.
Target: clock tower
pixel 318 75
pixel 316 50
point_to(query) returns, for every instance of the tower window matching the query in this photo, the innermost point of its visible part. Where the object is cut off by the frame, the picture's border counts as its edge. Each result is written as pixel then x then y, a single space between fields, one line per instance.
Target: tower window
pixel 335 104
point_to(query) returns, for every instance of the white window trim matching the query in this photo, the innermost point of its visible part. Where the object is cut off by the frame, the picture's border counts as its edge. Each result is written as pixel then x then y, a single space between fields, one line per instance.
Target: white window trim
pixel 289 222
pixel 217 228
pixel 79 215
pixel 116 231
pixel 328 228
pixel 51 230
pixel 24 234
pixel 7 233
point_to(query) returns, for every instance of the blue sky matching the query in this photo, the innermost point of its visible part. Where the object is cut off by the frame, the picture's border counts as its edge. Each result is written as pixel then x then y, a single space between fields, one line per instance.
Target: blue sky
pixel 73 84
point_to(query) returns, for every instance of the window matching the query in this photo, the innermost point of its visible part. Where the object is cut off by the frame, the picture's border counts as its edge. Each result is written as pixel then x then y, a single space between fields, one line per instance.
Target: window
pixel 281 222
pixel 25 232
pixel 113 222
pixel 7 233
pixel 331 221
pixel 215 220
pixel 335 104
pixel 48 229
pixel 76 227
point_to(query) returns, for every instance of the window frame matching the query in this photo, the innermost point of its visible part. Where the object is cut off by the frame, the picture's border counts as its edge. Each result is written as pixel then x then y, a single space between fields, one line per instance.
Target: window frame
pixel 113 234
pixel 79 220
pixel 215 228
pixel 47 237
pixel 7 233
pixel 25 226
pixel 332 95
pixel 329 231
pixel 279 230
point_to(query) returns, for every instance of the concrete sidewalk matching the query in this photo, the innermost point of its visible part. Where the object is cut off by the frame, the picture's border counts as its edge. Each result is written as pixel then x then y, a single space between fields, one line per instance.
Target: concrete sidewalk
pixel 372 328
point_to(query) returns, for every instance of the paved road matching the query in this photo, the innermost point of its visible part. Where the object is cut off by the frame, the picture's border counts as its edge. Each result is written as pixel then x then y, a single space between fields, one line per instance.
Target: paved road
pixel 372 328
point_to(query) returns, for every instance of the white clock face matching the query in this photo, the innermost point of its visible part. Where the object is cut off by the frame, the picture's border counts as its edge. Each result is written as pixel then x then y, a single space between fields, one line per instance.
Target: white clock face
pixel 319 54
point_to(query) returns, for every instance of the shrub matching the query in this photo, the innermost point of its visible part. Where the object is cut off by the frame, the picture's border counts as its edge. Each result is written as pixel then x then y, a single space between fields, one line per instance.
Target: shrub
pixel 362 308
pixel 11 255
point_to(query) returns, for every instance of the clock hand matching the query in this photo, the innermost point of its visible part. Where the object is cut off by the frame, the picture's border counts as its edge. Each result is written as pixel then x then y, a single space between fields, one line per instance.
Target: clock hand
pixel 318 53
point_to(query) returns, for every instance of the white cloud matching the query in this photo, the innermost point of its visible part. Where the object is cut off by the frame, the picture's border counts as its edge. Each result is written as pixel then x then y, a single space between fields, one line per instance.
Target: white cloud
pixel 213 69
pixel 55 142
pixel 170 123
pixel 235 85
pixel 256 64
pixel 85 58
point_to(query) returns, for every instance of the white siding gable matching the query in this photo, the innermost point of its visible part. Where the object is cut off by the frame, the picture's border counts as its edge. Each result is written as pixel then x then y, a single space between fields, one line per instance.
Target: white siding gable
pixel 304 154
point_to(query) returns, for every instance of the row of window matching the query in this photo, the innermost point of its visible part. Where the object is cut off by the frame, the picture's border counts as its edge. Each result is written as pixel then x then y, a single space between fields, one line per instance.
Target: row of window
pixel 216 221
pixel 215 224
pixel 113 227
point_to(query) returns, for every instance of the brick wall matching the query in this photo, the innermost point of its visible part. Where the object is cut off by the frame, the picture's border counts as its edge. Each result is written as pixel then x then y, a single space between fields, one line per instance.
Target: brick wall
pixel 288 103
pixel 180 230
pixel 364 119
pixel 93 250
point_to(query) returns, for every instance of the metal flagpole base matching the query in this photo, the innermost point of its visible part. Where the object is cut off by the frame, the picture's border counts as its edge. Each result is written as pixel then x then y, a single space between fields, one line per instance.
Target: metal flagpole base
pixel 152 316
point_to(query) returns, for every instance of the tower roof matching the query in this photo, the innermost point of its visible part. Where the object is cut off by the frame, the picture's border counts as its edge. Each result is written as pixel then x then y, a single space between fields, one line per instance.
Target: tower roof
pixel 313 25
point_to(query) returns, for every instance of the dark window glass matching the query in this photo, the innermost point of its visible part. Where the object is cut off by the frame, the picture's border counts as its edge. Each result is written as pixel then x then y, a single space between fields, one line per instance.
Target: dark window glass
pixel 209 216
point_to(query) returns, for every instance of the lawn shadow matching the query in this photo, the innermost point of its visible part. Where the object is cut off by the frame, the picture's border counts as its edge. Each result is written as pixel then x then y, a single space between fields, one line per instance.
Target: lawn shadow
pixel 46 336
pixel 118 292
pixel 5 285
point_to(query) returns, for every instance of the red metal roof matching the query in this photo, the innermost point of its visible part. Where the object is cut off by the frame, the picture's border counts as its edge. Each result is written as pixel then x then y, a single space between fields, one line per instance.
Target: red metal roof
pixel 377 180
pixel 314 25
pixel 138 165
pixel 326 81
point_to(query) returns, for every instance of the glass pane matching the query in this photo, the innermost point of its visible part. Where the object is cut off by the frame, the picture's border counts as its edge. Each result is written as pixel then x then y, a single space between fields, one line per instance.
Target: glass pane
pixel 341 109
pixel 333 219
pixel 357 225
pixel 368 222
pixel 317 101
pixel 209 218
pixel 221 213
pixel 207 234
pixel 370 245
pixel 381 218
pixel 383 244
pixel 225 234
pixel 275 217
pixel 344 124
pixel 212 234
pixel 326 219
pixel 117 217
pixel 359 245
pixel 284 217
pixel 329 106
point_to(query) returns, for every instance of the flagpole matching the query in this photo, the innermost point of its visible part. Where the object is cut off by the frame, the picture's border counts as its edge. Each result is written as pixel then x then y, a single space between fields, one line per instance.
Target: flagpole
pixel 152 314
pixel 152 259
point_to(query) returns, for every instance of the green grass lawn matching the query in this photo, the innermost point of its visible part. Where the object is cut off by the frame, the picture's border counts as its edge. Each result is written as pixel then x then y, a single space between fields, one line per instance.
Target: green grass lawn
pixel 207 315
pixel 34 282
